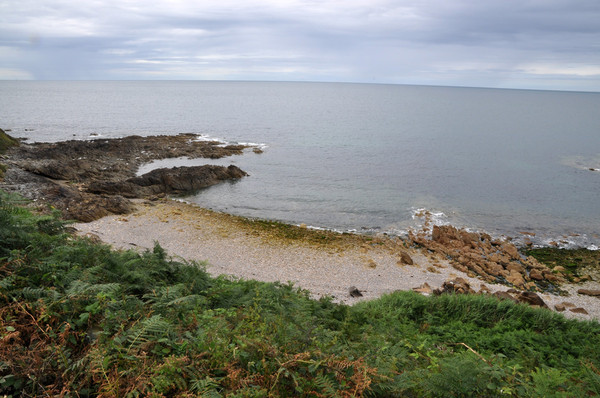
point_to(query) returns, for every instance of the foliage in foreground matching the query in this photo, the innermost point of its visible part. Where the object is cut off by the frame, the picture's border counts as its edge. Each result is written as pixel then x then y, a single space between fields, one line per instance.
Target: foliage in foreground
pixel 78 319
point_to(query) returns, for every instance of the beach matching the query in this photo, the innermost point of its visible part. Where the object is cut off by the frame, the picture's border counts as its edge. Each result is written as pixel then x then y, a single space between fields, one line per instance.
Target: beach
pixel 322 262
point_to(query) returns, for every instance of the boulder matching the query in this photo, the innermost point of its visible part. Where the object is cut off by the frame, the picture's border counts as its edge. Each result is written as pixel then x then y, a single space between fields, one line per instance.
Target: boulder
pixel 579 310
pixel 405 258
pixel 354 292
pixel 536 274
pixel 505 296
pixel 532 299
pixel 516 279
pixel 456 285
pixel 560 307
pixel 589 292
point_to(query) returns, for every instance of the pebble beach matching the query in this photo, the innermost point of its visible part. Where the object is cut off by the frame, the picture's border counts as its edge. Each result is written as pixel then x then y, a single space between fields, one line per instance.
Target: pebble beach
pixel 324 263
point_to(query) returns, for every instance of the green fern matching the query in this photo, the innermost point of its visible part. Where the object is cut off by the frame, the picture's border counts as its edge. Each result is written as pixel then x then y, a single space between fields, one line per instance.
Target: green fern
pixel 153 328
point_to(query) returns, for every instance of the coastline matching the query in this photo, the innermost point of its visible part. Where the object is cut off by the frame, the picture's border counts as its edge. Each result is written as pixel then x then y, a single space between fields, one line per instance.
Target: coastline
pixel 95 182
pixel 322 262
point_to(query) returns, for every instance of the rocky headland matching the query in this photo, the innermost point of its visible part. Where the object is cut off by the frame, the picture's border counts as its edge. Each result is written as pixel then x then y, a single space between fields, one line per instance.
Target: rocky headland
pixel 88 180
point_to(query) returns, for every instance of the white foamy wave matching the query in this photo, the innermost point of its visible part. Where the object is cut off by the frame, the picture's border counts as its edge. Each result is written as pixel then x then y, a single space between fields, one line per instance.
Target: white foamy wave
pixel 429 217
pixel 224 142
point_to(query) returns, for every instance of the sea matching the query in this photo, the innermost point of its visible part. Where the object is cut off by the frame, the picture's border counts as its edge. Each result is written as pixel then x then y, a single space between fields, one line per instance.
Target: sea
pixel 364 158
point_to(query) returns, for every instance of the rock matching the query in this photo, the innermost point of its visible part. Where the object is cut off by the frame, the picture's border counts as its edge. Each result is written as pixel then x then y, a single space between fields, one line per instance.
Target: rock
pixel 516 279
pixel 101 173
pixel 558 268
pixel 579 310
pixel 560 307
pixel 532 299
pixel 493 268
pixel 568 304
pixel 536 274
pixel 514 266
pixel 177 180
pixel 457 286
pixel 354 292
pixel 505 296
pixel 424 289
pixel 589 292
pixel 511 250
pixel 405 258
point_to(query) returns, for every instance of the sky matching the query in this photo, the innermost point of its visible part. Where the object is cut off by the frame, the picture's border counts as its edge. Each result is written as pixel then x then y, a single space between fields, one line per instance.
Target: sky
pixel 529 44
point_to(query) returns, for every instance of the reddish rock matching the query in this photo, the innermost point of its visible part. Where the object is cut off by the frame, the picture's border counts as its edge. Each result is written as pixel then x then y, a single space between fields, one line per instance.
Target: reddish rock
pixel 511 250
pixel 514 266
pixel 536 274
pixel 560 307
pixel 516 279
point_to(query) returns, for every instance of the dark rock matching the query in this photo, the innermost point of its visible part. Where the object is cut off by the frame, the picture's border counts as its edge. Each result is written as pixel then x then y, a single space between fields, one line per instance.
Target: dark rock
pixel 457 286
pixel 505 296
pixel 354 292
pixel 532 299
pixel 83 206
pixel 579 310
pixel 405 258
pixel 100 174
pixel 178 180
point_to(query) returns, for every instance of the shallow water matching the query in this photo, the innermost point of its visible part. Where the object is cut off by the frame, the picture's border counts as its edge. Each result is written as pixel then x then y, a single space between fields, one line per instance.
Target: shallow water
pixel 357 156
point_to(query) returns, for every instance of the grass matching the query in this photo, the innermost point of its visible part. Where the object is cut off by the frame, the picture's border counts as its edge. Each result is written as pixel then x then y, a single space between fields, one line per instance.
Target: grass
pixel 80 319
pixel 6 141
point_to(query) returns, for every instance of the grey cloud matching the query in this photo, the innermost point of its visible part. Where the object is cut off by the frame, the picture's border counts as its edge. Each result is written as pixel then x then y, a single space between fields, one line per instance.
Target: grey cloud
pixel 459 42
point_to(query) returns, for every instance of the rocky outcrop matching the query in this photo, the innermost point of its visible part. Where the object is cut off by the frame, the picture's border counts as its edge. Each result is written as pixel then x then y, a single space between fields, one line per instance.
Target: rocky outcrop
pixel 493 260
pixel 461 286
pixel 87 180
pixel 178 180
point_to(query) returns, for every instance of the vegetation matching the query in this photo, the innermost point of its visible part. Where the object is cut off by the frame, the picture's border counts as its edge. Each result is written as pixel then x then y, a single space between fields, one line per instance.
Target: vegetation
pixel 6 141
pixel 79 319
pixel 576 262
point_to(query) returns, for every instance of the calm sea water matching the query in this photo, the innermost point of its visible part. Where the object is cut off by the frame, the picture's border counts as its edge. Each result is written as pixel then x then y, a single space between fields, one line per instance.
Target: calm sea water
pixel 358 156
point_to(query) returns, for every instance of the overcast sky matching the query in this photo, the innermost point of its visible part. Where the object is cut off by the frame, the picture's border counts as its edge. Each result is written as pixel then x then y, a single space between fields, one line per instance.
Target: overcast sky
pixel 539 44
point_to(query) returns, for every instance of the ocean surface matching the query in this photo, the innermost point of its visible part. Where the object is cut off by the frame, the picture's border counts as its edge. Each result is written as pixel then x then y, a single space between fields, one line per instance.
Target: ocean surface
pixel 358 157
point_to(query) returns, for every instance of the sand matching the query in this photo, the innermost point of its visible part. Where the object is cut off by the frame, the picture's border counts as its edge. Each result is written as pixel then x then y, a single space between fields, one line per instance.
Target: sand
pixel 234 246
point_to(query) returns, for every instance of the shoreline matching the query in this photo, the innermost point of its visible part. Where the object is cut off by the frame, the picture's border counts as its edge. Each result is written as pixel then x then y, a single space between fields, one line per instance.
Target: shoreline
pixel 323 262
pixel 88 180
